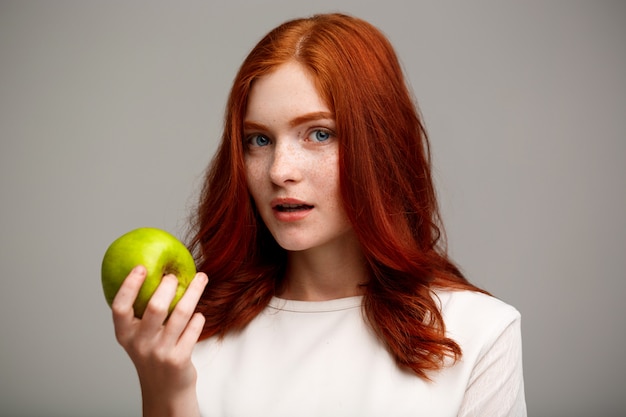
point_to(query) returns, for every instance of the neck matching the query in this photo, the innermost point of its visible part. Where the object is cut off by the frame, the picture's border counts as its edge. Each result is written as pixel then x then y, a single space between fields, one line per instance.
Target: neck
pixel 325 273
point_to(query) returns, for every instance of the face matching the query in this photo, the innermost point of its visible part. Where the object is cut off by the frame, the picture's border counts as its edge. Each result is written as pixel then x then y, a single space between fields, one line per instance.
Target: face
pixel 292 161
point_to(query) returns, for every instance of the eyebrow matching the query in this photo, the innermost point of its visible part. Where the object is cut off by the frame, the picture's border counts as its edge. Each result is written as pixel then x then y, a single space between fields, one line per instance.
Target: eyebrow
pixel 296 121
pixel 309 117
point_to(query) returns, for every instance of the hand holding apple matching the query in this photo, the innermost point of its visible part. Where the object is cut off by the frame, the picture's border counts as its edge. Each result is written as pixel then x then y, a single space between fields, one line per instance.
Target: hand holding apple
pixel 159 252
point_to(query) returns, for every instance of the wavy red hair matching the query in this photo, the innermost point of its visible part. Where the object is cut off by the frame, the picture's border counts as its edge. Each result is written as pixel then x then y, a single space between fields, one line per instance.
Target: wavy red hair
pixel 386 185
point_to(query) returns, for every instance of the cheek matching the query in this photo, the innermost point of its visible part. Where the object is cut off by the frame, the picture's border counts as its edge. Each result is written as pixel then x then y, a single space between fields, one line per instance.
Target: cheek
pixel 328 180
pixel 253 177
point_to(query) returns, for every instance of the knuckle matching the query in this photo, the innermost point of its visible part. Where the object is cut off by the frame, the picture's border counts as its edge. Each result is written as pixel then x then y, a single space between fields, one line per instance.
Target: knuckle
pixel 168 358
pixel 140 349
pixel 157 307
pixel 177 362
pixel 160 355
pixel 119 310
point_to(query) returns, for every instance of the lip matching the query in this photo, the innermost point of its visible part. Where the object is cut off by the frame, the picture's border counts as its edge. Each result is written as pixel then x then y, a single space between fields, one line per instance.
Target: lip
pixel 290 209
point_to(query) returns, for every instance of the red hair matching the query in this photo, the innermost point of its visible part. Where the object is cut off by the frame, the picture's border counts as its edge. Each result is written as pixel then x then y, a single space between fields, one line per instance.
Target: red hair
pixel 386 186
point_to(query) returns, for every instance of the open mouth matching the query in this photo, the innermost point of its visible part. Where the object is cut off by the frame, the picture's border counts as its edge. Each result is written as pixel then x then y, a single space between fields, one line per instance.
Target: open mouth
pixel 289 208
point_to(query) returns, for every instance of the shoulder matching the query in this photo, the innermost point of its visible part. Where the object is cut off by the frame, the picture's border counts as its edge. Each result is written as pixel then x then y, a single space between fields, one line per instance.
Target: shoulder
pixel 473 319
pixel 473 304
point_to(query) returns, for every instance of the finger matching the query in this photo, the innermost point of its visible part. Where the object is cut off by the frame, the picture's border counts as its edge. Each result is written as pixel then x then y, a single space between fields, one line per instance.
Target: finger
pixel 185 308
pixel 157 308
pixel 122 305
pixel 191 334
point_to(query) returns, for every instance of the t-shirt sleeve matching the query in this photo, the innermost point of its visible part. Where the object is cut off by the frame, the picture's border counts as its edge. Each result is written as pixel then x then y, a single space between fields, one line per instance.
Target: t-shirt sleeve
pixel 496 385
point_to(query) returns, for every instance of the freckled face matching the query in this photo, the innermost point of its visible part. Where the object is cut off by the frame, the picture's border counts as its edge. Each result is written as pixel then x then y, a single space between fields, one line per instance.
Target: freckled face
pixel 292 161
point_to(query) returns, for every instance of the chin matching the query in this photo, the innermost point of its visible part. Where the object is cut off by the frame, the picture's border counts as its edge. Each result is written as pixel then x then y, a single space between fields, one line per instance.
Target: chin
pixel 292 246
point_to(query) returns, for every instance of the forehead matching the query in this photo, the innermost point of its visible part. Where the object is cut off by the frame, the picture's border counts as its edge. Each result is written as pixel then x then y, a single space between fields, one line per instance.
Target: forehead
pixel 287 91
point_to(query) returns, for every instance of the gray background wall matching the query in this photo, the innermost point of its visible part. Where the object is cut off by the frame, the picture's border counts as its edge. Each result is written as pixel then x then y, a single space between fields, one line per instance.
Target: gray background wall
pixel 109 112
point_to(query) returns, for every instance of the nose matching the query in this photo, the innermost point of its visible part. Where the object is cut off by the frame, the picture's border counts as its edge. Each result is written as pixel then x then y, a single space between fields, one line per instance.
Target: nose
pixel 286 164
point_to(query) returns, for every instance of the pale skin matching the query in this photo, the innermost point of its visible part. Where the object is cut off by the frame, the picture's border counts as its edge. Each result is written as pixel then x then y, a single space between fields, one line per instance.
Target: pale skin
pixel 292 155
pixel 161 350
pixel 293 175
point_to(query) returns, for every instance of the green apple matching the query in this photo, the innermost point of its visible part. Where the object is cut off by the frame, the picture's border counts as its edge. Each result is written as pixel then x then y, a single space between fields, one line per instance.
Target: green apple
pixel 159 252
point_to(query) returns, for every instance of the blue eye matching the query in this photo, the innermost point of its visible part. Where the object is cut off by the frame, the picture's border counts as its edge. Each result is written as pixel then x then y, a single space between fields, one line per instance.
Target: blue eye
pixel 321 135
pixel 258 140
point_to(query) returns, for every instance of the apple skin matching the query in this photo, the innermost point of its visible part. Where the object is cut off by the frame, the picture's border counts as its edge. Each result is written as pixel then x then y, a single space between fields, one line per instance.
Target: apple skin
pixel 159 252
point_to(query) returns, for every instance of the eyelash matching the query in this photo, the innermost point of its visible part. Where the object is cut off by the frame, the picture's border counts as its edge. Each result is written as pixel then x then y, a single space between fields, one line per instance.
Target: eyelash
pixel 327 132
pixel 252 138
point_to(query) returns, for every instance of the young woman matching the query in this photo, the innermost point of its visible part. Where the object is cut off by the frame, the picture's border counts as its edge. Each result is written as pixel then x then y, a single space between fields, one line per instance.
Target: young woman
pixel 330 290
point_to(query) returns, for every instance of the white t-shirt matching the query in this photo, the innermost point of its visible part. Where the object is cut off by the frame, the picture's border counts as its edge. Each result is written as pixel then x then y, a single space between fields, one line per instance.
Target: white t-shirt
pixel 318 359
